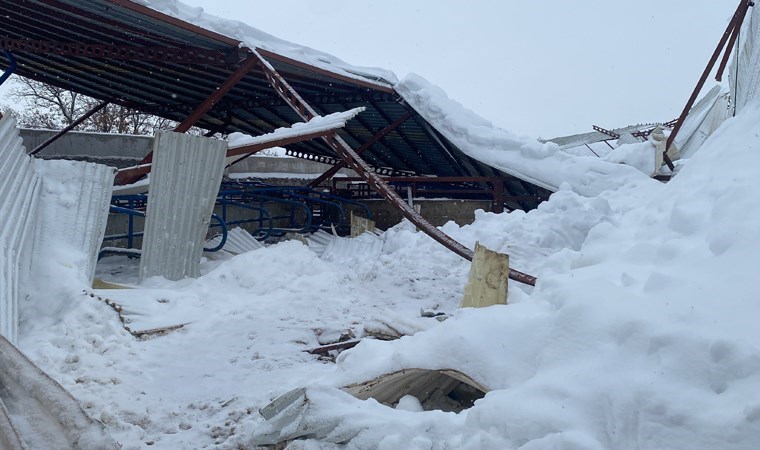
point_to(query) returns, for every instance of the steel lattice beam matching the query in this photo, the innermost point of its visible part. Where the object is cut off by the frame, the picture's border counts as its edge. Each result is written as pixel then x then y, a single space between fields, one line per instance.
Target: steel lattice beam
pixel 334 169
pixel 179 55
pixel 355 162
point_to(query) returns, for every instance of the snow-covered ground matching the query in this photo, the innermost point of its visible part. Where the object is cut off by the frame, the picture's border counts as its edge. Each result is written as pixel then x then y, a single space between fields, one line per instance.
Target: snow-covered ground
pixel 641 332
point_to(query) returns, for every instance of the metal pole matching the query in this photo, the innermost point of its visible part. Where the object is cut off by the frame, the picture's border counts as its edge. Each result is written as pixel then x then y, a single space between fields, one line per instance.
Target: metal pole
pixel 355 162
pixel 70 127
pixel 11 67
pixel 333 170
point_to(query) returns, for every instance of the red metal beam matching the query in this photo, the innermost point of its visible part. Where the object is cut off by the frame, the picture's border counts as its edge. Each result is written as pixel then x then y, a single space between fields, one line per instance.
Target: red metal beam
pixel 606 131
pixel 356 163
pixel 179 55
pixel 248 65
pixel 334 169
pixel 70 127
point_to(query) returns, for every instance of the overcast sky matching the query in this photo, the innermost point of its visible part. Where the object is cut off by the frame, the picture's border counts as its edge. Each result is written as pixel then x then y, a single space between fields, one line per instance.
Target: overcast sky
pixel 538 68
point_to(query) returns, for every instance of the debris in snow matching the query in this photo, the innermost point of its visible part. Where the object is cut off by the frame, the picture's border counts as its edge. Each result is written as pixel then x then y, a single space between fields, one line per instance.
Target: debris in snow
pixel 39 412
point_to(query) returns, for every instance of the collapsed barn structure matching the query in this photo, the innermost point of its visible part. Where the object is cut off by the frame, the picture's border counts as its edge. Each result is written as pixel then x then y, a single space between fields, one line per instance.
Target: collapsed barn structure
pixel 279 95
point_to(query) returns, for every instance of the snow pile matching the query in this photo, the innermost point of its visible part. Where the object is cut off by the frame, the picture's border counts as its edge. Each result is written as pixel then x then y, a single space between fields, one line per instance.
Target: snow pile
pixel 255 38
pixel 316 124
pixel 643 337
pixel 640 332
pixel 542 164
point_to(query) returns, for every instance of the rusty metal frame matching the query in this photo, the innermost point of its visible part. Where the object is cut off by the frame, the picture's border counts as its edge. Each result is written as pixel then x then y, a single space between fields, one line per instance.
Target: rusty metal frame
pixel 355 162
pixel 609 133
pixel 179 55
pixel 356 81
pixel 333 170
pixel 245 68
pixel 496 190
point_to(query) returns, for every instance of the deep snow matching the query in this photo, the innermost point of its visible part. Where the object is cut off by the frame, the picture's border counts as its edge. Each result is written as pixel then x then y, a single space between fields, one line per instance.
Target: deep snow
pixel 641 332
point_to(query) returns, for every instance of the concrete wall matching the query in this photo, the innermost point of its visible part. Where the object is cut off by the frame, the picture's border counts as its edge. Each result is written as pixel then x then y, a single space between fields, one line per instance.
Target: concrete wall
pixel 101 145
pixel 271 164
pixel 114 147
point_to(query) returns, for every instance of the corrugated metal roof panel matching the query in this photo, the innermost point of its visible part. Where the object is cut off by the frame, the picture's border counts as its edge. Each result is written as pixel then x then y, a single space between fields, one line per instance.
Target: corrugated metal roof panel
pixel 19 185
pixel 74 202
pixel 187 172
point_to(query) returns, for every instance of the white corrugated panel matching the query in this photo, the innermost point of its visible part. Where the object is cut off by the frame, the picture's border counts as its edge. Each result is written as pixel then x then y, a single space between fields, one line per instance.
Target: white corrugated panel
pixel 703 119
pixel 74 203
pixel 238 241
pixel 19 185
pixel 187 171
pixel 744 76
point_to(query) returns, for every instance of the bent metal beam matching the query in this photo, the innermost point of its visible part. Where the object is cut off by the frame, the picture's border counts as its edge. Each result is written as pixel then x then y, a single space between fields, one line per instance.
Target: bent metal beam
pixel 355 162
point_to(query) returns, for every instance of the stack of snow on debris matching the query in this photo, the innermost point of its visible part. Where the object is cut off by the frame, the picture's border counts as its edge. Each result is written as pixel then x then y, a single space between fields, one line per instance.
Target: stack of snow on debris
pixel 643 336
pixel 49 208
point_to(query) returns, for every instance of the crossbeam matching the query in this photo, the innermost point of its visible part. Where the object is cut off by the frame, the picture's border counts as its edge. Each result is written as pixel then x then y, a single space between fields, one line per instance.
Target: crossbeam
pixel 355 162
pixel 179 55
pixel 70 127
pixel 247 65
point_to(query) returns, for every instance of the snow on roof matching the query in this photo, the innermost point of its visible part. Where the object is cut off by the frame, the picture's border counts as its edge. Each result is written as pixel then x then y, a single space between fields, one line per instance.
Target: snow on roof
pixel 316 124
pixel 254 38
pixel 542 164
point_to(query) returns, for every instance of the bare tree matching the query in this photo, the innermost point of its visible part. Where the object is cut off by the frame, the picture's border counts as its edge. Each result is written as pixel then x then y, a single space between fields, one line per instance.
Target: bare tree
pixel 41 105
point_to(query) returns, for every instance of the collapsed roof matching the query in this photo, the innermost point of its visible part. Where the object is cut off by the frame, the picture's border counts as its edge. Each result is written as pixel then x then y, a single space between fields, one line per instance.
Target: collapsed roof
pixel 154 62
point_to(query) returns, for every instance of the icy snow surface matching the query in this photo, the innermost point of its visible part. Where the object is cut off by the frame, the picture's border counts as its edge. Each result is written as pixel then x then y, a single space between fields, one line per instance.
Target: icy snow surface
pixel 641 332
pixel 542 164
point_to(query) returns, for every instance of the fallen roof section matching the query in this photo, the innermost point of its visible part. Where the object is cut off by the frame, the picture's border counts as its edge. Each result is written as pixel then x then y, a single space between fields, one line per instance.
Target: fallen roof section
pixel 168 60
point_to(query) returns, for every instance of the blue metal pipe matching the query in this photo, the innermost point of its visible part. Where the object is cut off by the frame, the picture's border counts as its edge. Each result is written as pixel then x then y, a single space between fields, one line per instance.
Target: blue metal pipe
pixel 11 68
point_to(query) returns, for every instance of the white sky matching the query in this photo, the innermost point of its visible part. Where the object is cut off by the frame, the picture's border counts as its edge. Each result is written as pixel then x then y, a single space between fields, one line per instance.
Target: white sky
pixel 538 68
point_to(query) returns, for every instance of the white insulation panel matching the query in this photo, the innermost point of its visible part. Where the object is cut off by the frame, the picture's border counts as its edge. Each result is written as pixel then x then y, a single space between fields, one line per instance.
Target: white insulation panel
pixel 744 77
pixel 238 241
pixel 185 179
pixel 19 185
pixel 73 207
pixel 703 119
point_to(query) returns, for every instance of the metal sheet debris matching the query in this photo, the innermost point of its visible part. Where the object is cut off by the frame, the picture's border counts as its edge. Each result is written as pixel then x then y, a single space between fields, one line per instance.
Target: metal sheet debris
pixel 19 187
pixel 186 176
